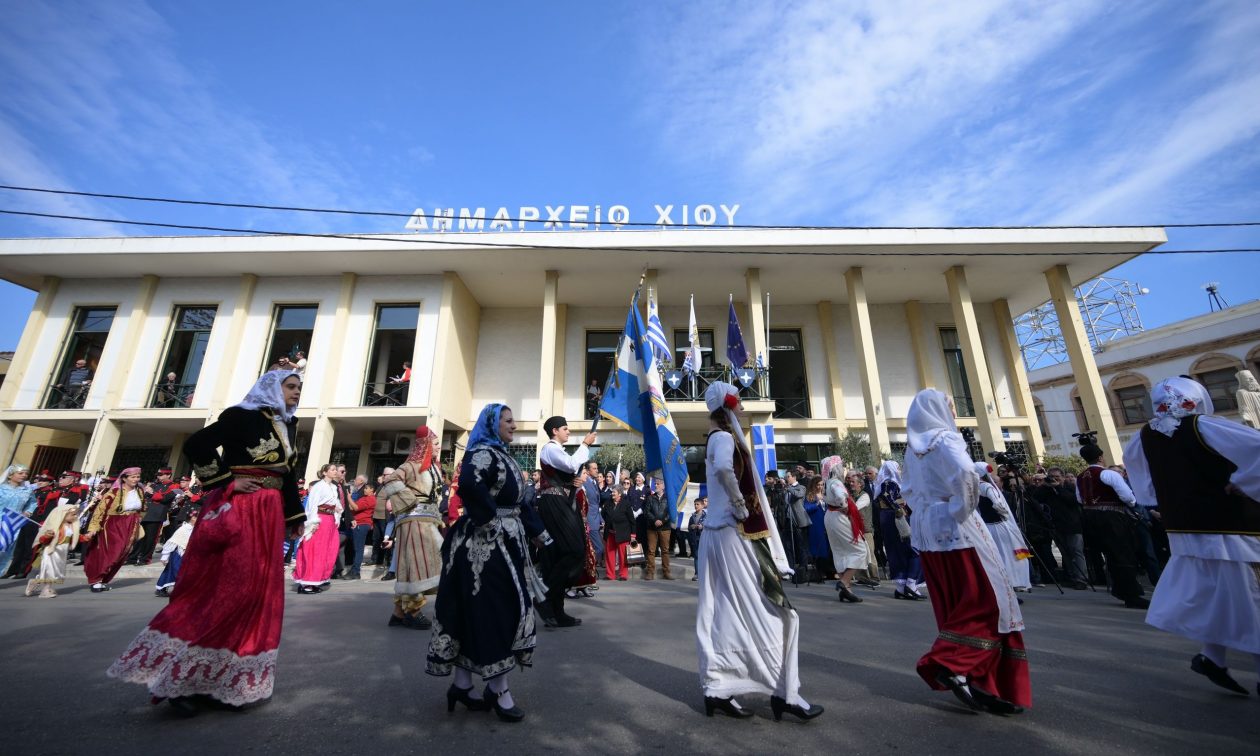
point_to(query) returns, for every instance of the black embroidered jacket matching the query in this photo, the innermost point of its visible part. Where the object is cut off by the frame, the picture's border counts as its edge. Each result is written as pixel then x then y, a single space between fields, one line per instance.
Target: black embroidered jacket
pixel 250 440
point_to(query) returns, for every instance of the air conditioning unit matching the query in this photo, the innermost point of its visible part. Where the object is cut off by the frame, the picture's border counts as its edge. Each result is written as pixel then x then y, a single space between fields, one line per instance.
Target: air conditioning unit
pixel 379 446
pixel 404 443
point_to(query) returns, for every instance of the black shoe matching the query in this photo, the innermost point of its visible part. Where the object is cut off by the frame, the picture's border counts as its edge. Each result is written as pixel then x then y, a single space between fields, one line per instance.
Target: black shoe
pixel 899 594
pixel 162 593
pixel 1218 674
pixel 352 576
pixel 418 622
pixel 1080 586
pixel 1138 603
pixel 869 583
pixel 421 622
pixel 456 695
pixel 568 620
pixel 183 706
pixel 308 589
pixel 100 588
pixel 778 706
pixel 849 596
pixel 993 704
pixel 513 714
pixel 389 576
pixel 623 579
pixel 947 679
pixel 728 706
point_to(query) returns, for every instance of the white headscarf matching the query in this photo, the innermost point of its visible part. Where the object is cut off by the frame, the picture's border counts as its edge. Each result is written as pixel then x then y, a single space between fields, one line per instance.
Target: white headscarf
pixel 889 470
pixel 267 393
pixel 11 469
pixel 1175 398
pixel 833 467
pixel 723 395
pixel 928 420
pixel 985 473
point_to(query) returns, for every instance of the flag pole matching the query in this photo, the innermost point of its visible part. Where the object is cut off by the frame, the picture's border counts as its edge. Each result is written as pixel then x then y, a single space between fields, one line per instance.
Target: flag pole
pixel 612 371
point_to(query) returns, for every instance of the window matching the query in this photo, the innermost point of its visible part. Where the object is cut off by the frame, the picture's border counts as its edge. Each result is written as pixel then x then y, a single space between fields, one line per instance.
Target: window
pixel 692 388
pixel 682 344
pixel 1040 412
pixel 389 361
pixel 1078 408
pixel 788 384
pixel 291 335
pixel 600 351
pixel 185 353
pixel 957 370
pixel 1219 375
pixel 1133 400
pixel 809 455
pixel 73 379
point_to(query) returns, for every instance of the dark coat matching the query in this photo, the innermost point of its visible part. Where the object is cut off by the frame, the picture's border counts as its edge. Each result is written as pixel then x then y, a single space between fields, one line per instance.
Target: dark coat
pixel 618 519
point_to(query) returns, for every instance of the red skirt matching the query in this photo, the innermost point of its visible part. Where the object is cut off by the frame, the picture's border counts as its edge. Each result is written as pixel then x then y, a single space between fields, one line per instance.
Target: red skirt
pixel 110 547
pixel 968 642
pixel 317 555
pixel 219 634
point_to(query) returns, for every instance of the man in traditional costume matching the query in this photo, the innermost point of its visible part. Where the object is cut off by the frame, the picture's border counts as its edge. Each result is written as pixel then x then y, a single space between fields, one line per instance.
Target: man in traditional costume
pixel 1110 524
pixel 113 530
pixel 746 631
pixel 57 536
pixel 979 650
pixel 414 490
pixel 216 640
pixel 563 559
pixel 1204 472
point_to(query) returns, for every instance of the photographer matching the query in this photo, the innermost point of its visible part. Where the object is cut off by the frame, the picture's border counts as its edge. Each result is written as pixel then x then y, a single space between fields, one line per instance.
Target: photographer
pixel 1059 500
pixel 1034 517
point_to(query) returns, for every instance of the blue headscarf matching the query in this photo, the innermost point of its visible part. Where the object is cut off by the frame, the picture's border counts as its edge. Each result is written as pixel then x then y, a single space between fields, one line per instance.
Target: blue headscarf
pixel 486 431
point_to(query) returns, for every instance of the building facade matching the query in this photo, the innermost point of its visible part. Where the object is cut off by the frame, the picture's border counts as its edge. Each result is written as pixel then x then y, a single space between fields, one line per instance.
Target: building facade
pixel 134 343
pixel 1210 348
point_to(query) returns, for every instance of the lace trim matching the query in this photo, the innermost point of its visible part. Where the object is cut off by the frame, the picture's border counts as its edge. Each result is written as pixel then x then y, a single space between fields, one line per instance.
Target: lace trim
pixel 171 667
pixel 444 655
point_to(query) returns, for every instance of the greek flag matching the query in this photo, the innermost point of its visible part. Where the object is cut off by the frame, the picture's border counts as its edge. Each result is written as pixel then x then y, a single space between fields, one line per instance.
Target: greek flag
pixel 736 352
pixel 692 362
pixel 764 455
pixel 10 523
pixel 635 401
pixel 656 333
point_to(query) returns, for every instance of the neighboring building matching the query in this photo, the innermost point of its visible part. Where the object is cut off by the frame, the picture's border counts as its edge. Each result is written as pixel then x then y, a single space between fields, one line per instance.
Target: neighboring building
pixel 1210 348
pixel 172 330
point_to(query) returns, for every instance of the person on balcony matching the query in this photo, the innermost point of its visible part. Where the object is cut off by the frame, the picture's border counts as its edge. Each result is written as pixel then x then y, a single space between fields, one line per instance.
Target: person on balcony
pixel 74 389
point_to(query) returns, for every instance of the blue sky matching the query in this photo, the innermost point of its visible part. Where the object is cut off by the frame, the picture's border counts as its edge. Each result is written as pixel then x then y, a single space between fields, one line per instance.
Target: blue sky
pixel 854 113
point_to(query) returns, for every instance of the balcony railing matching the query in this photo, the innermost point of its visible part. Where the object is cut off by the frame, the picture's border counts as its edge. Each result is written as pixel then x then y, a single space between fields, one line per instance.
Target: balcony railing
pixel 172 395
pixel 753 384
pixel 69 396
pixel 385 393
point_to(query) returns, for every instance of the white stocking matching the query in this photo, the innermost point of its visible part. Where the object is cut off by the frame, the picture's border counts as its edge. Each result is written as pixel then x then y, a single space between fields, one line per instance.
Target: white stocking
pixel 1215 652
pixel 499 686
pixel 463 678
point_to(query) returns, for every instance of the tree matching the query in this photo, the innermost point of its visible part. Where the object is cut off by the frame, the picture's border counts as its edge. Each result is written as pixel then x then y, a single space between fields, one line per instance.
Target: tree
pixel 1072 464
pixel 632 458
pixel 855 449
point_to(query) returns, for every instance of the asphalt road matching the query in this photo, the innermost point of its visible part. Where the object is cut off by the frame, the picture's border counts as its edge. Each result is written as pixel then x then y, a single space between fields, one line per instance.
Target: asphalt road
pixel 623 682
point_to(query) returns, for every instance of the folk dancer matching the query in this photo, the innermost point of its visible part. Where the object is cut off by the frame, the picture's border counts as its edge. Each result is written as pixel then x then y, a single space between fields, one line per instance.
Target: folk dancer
pixel 562 561
pixel 218 636
pixel 173 550
pixel 1000 521
pixel 483 617
pixel 1204 473
pixel 57 536
pixel 414 491
pixel 317 553
pixel 894 523
pixel 979 651
pixel 746 631
pixel 842 525
pixel 114 529
pixel 1110 524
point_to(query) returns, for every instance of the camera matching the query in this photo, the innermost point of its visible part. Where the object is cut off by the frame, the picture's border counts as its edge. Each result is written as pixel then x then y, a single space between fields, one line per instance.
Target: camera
pixel 1009 458
pixel 1086 438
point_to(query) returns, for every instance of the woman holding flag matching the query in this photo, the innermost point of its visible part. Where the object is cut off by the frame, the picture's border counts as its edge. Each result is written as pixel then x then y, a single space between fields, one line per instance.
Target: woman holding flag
pixel 746 631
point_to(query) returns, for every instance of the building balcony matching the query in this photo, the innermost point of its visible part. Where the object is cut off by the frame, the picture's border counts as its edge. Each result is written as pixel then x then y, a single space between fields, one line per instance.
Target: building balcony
pixel 172 395
pixel 385 393
pixel 67 396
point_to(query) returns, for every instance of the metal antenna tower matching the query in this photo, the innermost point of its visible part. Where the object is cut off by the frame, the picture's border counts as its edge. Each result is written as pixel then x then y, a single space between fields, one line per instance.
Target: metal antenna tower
pixel 1109 310
pixel 1215 300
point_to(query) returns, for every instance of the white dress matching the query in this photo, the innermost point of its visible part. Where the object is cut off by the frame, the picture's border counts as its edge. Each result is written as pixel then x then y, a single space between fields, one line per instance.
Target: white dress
pixel 845 554
pixel 1008 538
pixel 746 643
pixel 1210 589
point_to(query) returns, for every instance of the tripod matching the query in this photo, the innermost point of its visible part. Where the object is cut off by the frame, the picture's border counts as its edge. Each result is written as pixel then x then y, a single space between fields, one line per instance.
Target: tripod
pixel 1021 521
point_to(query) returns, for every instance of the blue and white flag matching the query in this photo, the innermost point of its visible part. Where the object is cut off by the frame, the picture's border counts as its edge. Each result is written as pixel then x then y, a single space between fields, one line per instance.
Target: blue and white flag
pixel 10 523
pixel 693 360
pixel 635 401
pixel 764 456
pixel 656 333
pixel 736 352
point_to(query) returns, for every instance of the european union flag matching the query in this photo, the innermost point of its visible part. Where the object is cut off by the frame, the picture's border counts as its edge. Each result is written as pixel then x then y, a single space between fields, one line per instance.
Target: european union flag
pixel 635 400
pixel 736 352
pixel 764 455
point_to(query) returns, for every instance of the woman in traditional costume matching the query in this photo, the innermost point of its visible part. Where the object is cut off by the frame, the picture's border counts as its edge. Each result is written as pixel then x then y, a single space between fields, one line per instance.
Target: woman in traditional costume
pixel 173 556
pixel 414 490
pixel 216 640
pixel 15 497
pixel 483 617
pixel 843 526
pixel 113 529
pixel 1204 473
pixel 894 523
pixel 317 552
pixel 746 631
pixel 979 651
pixel 57 536
pixel 1000 521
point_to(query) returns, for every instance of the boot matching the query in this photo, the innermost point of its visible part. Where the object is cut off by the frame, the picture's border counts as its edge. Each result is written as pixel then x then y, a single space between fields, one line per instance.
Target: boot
pixel 557 606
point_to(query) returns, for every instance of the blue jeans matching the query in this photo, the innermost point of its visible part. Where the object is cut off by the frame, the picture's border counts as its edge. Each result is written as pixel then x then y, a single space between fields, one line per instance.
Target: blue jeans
pixel 360 536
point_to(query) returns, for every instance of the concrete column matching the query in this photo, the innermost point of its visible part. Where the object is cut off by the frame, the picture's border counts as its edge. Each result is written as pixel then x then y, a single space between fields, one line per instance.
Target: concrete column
pixel 922 362
pixel 130 343
pixel 1021 394
pixel 1084 369
pixel 341 320
pixel 365 454
pixel 320 450
pixel 974 360
pixel 8 441
pixel 868 368
pixel 101 447
pixel 756 318
pixel 30 337
pixel 176 458
pixel 459 326
pixel 236 334
pixel 827 327
pixel 547 366
pixel 557 391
